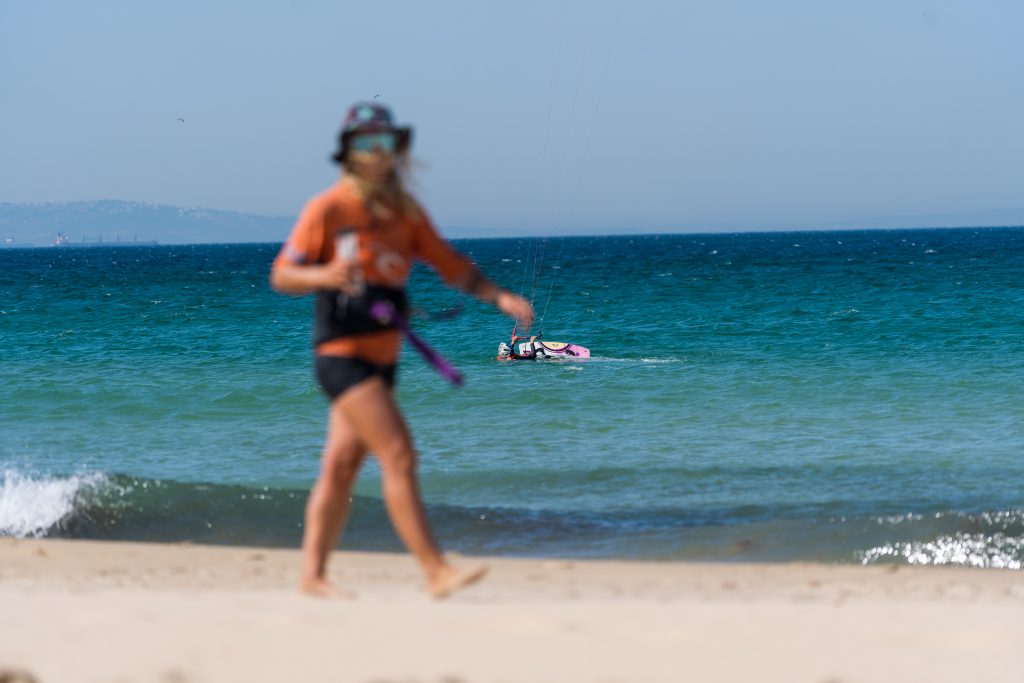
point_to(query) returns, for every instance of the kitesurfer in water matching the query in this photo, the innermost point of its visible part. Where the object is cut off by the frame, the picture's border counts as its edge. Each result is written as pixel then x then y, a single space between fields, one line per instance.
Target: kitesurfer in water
pixel 508 351
pixel 354 244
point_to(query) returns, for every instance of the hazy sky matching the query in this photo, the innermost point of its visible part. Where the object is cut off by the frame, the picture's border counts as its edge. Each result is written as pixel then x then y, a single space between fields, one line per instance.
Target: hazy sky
pixel 529 116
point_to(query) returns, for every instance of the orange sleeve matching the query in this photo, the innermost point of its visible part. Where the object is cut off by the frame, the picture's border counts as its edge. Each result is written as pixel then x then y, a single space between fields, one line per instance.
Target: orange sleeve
pixel 305 244
pixel 453 267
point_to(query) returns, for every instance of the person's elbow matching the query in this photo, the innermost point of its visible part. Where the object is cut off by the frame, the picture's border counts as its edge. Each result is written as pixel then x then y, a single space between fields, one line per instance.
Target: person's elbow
pixel 280 280
pixel 275 280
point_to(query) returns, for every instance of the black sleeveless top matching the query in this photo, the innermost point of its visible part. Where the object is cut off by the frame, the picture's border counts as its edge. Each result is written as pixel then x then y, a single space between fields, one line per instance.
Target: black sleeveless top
pixel 338 314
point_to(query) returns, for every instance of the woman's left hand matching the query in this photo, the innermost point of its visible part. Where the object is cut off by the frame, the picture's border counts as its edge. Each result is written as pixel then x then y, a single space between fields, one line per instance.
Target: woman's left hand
pixel 516 307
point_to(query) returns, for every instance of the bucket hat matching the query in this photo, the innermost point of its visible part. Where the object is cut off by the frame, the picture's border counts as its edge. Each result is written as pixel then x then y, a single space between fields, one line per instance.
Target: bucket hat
pixel 370 117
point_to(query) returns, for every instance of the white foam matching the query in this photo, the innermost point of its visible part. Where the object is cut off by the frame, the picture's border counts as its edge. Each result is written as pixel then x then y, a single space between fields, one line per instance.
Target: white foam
pixel 30 506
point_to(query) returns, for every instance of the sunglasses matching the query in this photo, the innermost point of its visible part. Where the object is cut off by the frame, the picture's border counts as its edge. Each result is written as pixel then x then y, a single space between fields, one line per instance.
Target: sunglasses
pixel 374 142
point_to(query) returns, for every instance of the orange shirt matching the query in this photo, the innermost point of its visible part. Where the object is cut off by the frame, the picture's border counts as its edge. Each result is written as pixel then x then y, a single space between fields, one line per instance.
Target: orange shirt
pixel 387 249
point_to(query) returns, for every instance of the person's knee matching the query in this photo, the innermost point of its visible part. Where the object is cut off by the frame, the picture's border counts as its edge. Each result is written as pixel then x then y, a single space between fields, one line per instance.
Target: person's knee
pixel 341 466
pixel 344 472
pixel 398 460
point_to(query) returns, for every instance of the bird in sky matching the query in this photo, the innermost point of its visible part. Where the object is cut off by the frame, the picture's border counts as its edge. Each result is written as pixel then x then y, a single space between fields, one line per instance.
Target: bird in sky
pixel 181 119
pixel 376 96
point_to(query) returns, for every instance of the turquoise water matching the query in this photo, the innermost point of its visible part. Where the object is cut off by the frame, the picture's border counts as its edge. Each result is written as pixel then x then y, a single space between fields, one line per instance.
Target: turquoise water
pixel 837 396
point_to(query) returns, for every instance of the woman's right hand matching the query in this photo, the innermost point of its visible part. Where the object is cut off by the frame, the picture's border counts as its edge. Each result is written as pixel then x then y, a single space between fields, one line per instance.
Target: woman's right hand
pixel 340 274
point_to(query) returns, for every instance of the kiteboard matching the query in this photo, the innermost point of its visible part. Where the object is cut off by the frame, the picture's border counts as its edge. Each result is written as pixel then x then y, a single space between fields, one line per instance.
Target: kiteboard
pixel 536 349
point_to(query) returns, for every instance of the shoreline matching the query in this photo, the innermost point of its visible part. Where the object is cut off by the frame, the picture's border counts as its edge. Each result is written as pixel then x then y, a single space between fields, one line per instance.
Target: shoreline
pixel 189 613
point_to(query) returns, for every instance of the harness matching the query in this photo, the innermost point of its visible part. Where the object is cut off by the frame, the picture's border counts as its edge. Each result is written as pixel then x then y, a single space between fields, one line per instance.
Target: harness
pixel 338 314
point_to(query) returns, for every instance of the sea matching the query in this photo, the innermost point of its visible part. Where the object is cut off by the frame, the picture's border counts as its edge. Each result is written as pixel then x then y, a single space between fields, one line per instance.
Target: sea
pixel 848 397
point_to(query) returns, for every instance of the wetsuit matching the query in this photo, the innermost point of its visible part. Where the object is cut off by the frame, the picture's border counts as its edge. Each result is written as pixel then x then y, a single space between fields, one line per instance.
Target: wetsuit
pixel 533 349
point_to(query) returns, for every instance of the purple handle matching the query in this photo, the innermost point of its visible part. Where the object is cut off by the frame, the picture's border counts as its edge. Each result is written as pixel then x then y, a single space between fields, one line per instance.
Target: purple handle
pixel 385 312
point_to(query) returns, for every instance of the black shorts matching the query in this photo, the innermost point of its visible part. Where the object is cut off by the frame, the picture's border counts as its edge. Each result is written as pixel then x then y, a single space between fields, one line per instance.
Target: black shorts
pixel 336 374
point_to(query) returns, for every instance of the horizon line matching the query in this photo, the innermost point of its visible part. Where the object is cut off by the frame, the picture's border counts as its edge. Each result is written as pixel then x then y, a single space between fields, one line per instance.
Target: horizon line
pixel 158 243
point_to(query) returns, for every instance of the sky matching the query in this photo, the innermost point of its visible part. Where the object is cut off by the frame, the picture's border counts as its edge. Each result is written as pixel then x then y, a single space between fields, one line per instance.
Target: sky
pixel 531 117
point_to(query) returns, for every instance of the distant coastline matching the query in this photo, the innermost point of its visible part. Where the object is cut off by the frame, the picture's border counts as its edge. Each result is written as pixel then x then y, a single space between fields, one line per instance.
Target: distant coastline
pixel 9 243
pixel 94 223
pixel 65 241
pixel 85 223
pixel 86 245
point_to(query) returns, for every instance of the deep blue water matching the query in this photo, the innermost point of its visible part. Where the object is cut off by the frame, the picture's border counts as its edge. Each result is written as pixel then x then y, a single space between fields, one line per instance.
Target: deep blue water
pixel 838 396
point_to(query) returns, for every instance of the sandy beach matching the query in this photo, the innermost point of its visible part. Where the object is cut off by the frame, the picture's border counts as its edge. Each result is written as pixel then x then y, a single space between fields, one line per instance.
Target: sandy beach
pixel 83 612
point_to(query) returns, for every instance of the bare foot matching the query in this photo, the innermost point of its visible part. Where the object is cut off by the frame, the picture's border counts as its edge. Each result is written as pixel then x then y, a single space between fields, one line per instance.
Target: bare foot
pixel 320 588
pixel 450 579
pixel 9 676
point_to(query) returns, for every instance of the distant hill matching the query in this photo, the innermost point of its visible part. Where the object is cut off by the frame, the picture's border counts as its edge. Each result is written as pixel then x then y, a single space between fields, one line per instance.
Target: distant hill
pixel 110 220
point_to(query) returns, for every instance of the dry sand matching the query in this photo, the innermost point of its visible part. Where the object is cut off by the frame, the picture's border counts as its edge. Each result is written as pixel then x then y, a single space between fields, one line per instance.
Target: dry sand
pixel 84 612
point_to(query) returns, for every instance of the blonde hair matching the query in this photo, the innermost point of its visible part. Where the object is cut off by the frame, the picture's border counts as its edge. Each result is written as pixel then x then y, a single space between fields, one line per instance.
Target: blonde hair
pixel 389 195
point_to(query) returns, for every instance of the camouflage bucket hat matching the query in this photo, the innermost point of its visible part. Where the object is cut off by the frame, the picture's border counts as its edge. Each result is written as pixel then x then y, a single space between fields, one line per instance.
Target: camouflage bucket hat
pixel 370 117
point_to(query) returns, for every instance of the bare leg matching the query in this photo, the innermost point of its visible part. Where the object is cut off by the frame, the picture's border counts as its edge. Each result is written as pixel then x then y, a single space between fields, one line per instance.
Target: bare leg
pixel 371 410
pixel 328 505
